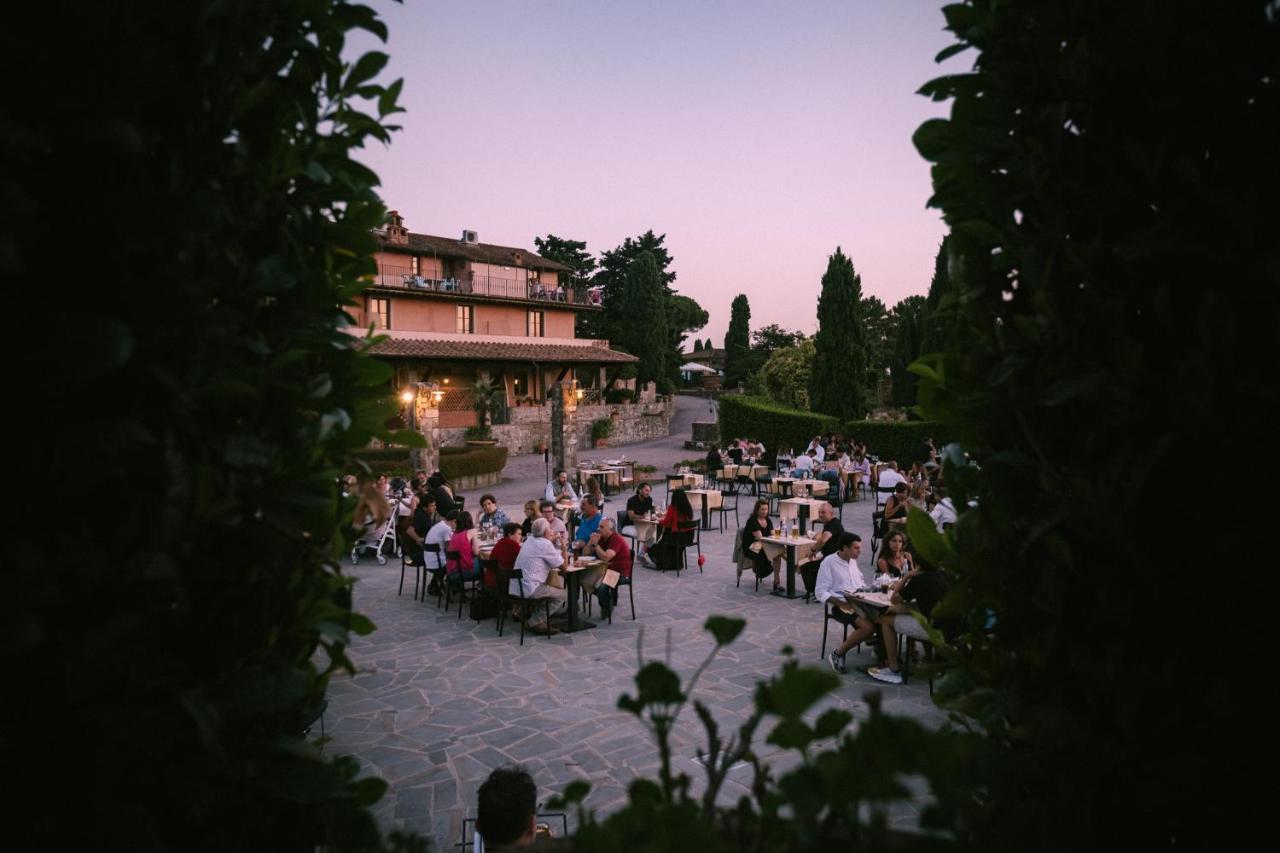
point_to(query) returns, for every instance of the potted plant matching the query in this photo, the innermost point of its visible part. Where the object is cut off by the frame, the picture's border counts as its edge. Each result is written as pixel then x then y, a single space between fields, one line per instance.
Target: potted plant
pixel 484 399
pixel 600 431
pixel 479 436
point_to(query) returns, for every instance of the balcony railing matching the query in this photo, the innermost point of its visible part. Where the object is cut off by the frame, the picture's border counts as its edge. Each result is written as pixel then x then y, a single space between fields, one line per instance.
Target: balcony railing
pixel 507 288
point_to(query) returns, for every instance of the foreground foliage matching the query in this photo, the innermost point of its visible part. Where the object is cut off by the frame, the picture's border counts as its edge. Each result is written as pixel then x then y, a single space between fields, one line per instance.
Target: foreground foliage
pixel 168 651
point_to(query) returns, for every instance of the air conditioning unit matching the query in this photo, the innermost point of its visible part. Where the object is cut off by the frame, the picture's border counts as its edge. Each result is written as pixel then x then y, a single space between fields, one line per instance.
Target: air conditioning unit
pixel 469 237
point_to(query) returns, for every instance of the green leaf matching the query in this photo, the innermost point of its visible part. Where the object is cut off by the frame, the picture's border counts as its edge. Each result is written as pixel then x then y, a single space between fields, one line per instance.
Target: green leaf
pixel 725 628
pixel 925 537
pixel 933 139
pixel 366 68
pixel 831 722
pixel 948 52
pixel 658 684
pixel 791 733
pixel 790 694
pixel 387 100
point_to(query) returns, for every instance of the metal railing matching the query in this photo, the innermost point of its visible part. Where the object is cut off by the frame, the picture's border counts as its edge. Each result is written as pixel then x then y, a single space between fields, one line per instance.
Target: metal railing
pixel 506 288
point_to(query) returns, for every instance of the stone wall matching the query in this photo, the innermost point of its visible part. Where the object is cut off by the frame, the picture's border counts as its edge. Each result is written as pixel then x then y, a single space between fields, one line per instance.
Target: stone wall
pixel 531 425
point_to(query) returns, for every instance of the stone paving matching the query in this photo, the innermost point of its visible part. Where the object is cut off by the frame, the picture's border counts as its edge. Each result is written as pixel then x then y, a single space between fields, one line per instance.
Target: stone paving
pixel 438 702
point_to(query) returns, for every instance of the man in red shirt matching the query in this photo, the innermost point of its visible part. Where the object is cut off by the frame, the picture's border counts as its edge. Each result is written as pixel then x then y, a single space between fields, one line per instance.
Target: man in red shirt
pixel 505 551
pixel 608 545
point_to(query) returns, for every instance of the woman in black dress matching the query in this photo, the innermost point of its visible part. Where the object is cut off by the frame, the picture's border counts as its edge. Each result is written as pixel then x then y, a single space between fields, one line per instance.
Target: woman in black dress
pixel 758 526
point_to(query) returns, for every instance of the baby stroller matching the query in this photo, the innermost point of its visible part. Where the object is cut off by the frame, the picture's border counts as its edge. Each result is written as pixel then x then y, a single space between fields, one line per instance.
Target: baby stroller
pixel 379 540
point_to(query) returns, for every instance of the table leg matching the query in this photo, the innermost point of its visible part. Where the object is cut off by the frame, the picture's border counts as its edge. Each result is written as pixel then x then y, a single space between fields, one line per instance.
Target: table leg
pixel 790 590
pixel 573 589
pixel 803 514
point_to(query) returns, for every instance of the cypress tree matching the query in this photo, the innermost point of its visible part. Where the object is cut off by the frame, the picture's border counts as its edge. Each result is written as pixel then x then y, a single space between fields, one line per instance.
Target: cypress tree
pixel 840 358
pixel 934 319
pixel 908 316
pixel 646 335
pixel 737 342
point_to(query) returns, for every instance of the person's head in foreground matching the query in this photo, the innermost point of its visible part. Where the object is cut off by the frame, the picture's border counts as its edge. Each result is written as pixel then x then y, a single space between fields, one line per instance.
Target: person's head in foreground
pixel 505 809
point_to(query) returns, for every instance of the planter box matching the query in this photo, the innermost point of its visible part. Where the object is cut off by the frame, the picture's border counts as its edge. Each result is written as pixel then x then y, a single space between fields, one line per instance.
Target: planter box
pixel 482 442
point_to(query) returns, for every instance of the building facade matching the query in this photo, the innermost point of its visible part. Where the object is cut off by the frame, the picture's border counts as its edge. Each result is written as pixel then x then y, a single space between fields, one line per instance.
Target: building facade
pixel 455 311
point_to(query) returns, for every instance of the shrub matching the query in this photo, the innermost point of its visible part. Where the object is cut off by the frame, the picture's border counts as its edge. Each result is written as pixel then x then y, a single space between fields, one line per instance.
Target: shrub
pixel 390 461
pixel 601 428
pixel 785 376
pixel 666 386
pixel 898 440
pixel 764 420
pixel 170 666
pixel 478 433
pixel 613 396
pixel 469 461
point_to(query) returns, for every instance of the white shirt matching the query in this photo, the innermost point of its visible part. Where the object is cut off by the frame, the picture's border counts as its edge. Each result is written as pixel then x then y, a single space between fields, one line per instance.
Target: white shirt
pixel 890 478
pixel 440 534
pixel 821 451
pixel 803 462
pixel 554 490
pixel 538 556
pixel 836 576
pixel 944 512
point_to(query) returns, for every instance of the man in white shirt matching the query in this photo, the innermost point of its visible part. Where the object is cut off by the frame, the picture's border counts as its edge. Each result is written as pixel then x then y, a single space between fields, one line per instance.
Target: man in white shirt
pixel 838 577
pixel 943 512
pixel 889 478
pixel 539 556
pixel 819 452
pixel 560 488
pixel 804 462
pixel 440 535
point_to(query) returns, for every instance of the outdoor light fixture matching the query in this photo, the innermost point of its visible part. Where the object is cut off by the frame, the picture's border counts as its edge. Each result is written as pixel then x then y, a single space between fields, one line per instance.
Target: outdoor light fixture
pixel 406 397
pixel 578 391
pixel 436 396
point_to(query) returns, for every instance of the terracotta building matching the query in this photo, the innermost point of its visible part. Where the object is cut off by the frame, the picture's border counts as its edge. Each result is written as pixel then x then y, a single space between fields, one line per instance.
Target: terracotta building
pixel 457 310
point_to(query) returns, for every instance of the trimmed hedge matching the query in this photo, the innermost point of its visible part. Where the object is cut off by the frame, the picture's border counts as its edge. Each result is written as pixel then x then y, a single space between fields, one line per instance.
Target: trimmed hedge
pixel 776 425
pixel 896 440
pixel 392 461
pixel 469 461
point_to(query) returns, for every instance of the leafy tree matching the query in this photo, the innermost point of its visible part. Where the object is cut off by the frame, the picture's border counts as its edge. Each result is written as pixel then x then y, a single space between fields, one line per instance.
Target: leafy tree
pixel 571 253
pixel 785 375
pixel 647 337
pixel 684 315
pixel 611 278
pixel 1084 356
pixel 880 329
pixel 934 337
pixel 170 660
pixel 908 323
pixel 768 340
pixel 840 348
pixel 737 356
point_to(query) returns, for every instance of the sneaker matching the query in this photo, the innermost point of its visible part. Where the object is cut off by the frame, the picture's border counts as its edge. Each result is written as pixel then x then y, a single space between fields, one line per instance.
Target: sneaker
pixel 837 662
pixel 883 673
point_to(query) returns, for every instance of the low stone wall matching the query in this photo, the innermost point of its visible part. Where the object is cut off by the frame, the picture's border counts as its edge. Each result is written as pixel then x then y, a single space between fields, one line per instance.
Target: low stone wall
pixel 476 481
pixel 530 426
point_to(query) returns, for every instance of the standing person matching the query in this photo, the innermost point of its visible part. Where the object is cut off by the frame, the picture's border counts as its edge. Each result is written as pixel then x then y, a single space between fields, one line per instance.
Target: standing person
pixel 838 577
pixel 758 526
pixel 640 505
pixel 539 557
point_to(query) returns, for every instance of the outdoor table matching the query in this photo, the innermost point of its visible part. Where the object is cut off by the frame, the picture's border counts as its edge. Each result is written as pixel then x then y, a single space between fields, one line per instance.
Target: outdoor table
pixel 815 487
pixel 799 508
pixel 691 481
pixel 646 529
pixel 572 587
pixel 626 467
pixel 707 499
pixel 791 545
pixel 870 605
pixel 852 478
pixel 606 476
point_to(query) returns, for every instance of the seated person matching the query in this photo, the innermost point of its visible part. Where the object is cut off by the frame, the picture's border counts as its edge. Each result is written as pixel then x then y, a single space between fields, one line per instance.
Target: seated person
pixel 560 488
pixel 589 522
pixel 736 453
pixel 506 809
pixel 441 491
pixel 415 535
pixel 944 511
pixel 839 575
pixel 505 551
pixel 490 514
pixel 464 567
pixel 640 505
pixel 894 559
pixel 538 557
pixel 667 552
pixel 895 508
pixel 714 462
pixel 804 463
pixel 758 526
pixel 559 532
pixel 608 545
pixel 826 542
pixel 592 488
pixel 921 589
pixel 531 512
pixel 890 477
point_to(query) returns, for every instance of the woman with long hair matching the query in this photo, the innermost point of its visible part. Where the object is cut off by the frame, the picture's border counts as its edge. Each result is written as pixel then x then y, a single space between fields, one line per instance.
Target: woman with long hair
pixel 758 526
pixel 666 552
pixel 894 559
pixel 465 567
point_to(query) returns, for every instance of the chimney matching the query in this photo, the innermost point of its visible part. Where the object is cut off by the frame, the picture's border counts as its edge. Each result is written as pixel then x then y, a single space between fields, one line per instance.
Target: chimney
pixel 394 231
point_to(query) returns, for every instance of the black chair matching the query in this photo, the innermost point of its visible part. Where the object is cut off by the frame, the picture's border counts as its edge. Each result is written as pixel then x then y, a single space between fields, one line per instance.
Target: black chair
pixel 625 521
pixel 516 574
pixel 827 617
pixel 686 537
pixel 882 495
pixel 877 532
pixel 432 568
pixel 451 582
pixel 419 567
pixel 629 583
pixel 674 484
pixel 745 560
pixel 728 492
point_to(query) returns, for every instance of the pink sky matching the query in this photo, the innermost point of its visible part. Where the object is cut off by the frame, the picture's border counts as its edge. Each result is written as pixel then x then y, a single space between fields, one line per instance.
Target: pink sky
pixel 756 136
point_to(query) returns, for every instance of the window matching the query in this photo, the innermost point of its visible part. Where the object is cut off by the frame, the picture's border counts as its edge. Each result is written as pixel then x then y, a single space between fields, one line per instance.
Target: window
pixel 520 384
pixel 380 313
pixel 536 324
pixel 466 324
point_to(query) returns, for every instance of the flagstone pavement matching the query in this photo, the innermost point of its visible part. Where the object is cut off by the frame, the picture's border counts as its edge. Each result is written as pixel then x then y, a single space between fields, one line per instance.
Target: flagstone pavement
pixel 439 701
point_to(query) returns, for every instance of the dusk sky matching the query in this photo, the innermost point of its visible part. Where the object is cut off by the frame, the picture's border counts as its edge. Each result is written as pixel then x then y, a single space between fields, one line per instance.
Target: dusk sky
pixel 757 136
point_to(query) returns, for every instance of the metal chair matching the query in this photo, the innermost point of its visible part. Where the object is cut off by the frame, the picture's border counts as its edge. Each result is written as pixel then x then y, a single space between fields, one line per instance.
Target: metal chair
pixel 433 568
pixel 744 560
pixel 419 574
pixel 516 574
pixel 729 489
pixel 450 582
